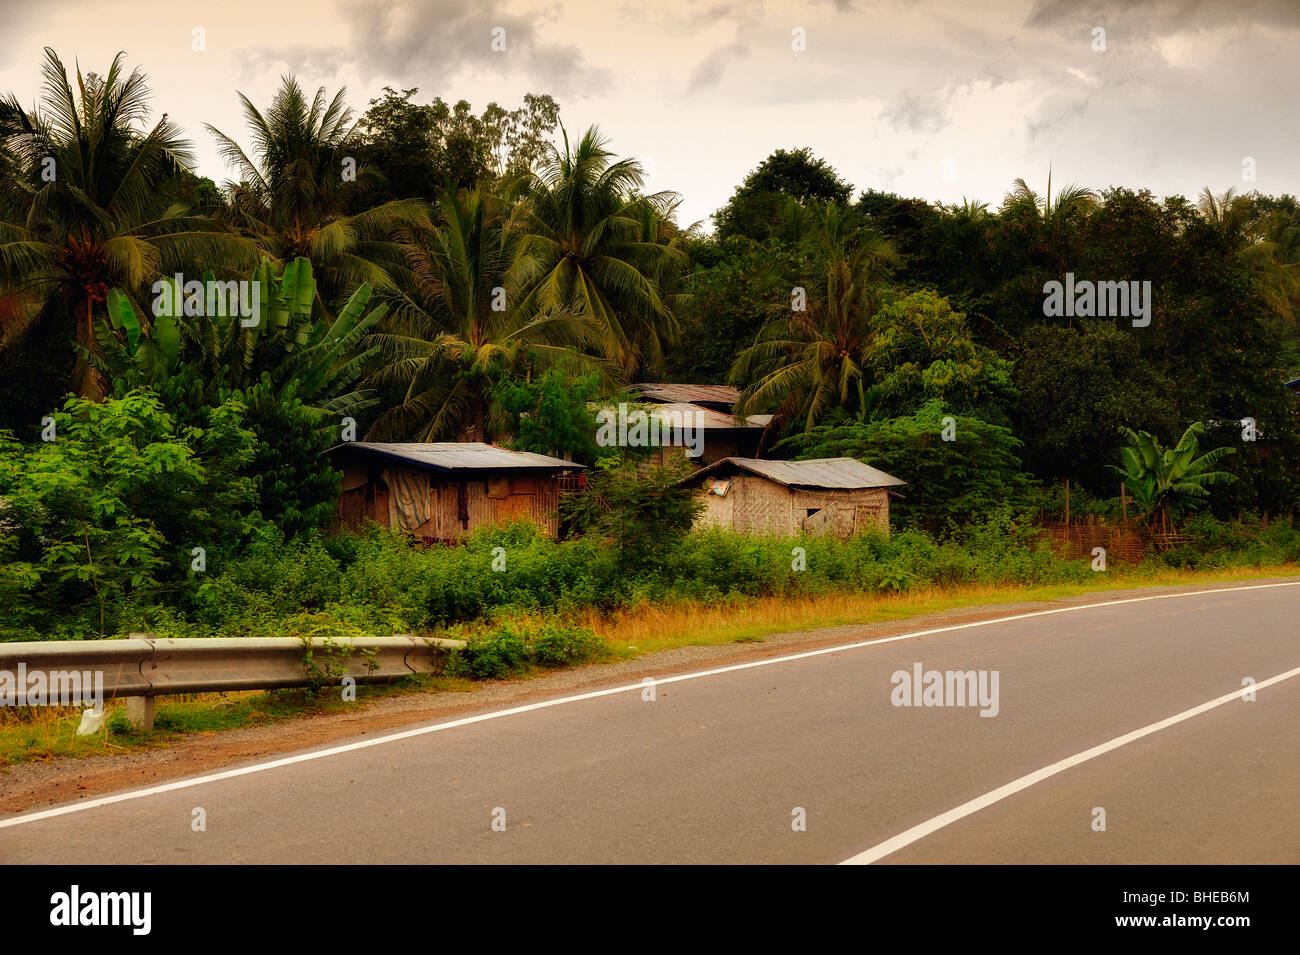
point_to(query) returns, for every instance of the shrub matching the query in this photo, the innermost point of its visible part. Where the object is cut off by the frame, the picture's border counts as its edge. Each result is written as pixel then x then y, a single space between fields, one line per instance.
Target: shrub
pixel 509 648
pixel 106 514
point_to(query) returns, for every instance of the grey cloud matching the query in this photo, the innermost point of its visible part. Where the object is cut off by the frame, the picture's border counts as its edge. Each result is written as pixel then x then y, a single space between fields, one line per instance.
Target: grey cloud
pixel 1164 17
pixel 431 42
pixel 918 114
pixel 708 72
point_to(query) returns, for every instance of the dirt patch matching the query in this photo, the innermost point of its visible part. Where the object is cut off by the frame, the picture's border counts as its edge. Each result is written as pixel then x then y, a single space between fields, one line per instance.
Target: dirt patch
pixel 28 786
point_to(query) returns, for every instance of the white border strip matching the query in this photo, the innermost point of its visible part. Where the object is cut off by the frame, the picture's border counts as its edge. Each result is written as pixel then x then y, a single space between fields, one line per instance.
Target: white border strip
pixel 578 697
pixel 916 833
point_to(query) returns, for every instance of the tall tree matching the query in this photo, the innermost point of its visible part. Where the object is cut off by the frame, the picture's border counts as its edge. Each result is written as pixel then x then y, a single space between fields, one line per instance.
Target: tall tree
pixel 760 206
pixel 90 216
pixel 809 360
pixel 597 248
pixel 459 322
pixel 303 193
pixel 424 148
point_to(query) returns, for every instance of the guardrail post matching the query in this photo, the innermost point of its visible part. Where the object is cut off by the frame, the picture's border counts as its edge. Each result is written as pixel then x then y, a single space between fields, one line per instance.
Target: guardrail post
pixel 139 712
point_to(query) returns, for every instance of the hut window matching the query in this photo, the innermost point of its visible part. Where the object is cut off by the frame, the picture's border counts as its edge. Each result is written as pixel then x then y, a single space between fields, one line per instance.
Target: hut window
pixel 498 488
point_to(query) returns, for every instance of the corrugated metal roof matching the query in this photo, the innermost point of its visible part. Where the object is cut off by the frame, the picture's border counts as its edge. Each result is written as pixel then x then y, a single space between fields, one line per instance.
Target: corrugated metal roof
pixel 707 417
pixel 692 415
pixel 671 392
pixel 846 473
pixel 460 455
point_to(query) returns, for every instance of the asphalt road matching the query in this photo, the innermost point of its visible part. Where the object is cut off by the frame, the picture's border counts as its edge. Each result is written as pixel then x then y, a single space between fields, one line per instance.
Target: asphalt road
pixel 716 767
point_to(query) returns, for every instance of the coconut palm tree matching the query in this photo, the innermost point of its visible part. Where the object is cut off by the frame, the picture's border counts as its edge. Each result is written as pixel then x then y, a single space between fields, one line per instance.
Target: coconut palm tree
pixel 1263 250
pixel 806 362
pixel 587 250
pixel 302 194
pixel 89 171
pixel 458 321
pixel 1065 208
pixel 1164 481
pixel 1229 212
pixel 971 209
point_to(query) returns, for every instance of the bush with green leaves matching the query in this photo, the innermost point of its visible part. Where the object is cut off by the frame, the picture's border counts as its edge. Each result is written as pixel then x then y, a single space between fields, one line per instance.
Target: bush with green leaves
pixel 551 414
pixel 506 649
pixel 379 582
pixel 642 510
pixel 108 512
pixel 950 483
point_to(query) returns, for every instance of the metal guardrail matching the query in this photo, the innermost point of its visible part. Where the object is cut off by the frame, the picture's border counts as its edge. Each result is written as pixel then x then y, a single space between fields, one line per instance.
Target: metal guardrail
pixel 142 667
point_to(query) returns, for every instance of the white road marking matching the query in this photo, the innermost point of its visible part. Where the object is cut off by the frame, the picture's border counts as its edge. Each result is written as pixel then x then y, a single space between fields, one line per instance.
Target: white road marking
pixel 578 697
pixel 916 833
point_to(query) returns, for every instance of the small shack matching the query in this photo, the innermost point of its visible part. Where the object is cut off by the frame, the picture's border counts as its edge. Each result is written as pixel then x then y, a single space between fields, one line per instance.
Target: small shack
pixel 709 408
pixel 840 496
pixel 446 490
pixel 694 422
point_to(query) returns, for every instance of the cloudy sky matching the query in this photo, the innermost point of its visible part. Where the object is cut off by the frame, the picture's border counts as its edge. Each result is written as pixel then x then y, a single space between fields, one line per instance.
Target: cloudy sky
pixel 942 99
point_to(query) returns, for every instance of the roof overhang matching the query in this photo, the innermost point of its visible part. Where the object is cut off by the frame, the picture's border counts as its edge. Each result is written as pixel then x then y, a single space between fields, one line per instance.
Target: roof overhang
pixel 822 474
pixel 455 457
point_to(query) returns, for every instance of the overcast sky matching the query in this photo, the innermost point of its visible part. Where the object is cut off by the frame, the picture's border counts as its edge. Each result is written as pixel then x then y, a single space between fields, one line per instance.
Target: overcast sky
pixel 942 99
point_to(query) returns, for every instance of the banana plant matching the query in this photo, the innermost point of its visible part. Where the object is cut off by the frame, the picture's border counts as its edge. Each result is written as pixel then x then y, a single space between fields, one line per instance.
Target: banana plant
pixel 277 343
pixel 1165 480
pixel 140 355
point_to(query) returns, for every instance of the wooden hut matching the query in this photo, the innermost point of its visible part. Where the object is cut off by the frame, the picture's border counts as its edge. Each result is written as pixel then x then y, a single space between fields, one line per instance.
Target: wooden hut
pixel 708 407
pixel 448 490
pixel 840 496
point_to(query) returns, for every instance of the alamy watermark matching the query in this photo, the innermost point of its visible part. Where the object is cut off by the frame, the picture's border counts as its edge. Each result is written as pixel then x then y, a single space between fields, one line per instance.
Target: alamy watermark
pixel 75 907
pixel 52 687
pixel 918 687
pixel 1088 299
pixel 175 296
pixel 650 429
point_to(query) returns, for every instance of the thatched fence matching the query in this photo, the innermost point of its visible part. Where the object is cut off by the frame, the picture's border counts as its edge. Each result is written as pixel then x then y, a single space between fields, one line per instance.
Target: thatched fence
pixel 1123 541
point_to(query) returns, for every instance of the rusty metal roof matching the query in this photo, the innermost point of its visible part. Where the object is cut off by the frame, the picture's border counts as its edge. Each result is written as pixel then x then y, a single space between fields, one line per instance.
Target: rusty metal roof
pixel 692 415
pixel 707 417
pixel 843 473
pixel 670 392
pixel 460 456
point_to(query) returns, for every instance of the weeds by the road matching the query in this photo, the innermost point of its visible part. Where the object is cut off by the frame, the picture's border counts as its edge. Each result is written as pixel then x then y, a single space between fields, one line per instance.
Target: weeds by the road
pixel 47 732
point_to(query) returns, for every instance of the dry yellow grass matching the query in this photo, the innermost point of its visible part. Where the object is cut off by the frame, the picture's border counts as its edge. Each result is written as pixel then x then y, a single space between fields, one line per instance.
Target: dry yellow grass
pixel 647 628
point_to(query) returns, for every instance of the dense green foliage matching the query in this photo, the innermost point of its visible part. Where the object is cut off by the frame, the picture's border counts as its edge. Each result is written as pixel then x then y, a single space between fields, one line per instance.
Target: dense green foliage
pixel 551 415
pixel 379 583
pixel 769 201
pixel 107 512
pixel 427 272
pixel 643 511
pixel 951 483
pixel 424 150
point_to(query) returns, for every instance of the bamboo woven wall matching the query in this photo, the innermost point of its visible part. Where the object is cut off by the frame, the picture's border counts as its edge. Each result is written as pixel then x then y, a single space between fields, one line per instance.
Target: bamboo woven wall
pixel 755 505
